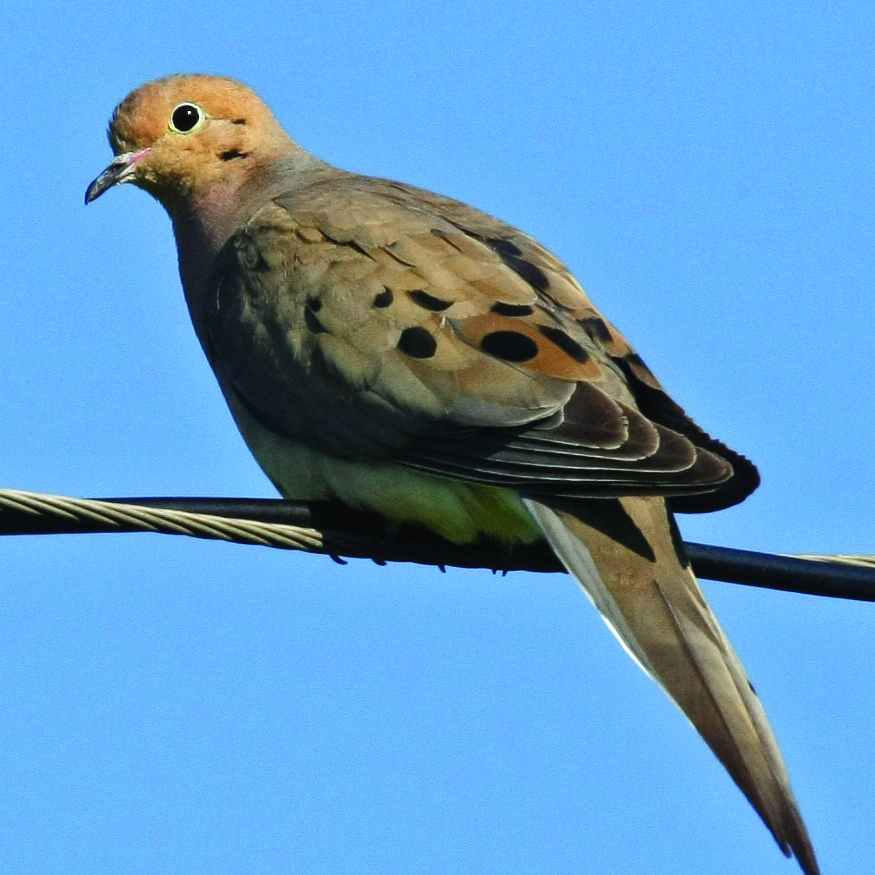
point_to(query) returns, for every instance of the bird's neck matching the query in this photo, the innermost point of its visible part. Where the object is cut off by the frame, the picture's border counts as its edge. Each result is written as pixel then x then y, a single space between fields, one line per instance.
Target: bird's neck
pixel 210 216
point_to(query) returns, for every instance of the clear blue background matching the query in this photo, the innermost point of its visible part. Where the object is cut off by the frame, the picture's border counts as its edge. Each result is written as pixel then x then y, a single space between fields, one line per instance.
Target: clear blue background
pixel 176 706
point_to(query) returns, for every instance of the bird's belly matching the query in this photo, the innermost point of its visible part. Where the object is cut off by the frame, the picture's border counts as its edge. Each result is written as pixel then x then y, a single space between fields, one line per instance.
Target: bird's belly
pixel 459 510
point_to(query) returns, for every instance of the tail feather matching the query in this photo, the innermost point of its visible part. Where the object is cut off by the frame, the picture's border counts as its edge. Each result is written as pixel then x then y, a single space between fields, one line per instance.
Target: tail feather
pixel 652 602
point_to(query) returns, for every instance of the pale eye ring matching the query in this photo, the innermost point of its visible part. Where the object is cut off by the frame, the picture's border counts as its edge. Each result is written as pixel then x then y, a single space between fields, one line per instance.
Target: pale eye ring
pixel 186 117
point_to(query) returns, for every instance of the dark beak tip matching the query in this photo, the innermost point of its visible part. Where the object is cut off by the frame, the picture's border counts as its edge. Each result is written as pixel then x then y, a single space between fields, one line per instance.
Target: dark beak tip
pixel 91 193
pixel 120 170
pixel 98 186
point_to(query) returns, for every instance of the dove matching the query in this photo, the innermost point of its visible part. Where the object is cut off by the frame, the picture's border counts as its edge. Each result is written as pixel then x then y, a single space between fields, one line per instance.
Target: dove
pixel 406 354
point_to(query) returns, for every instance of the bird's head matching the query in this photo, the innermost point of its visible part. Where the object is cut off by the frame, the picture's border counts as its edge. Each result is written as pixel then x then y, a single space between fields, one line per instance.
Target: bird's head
pixel 183 136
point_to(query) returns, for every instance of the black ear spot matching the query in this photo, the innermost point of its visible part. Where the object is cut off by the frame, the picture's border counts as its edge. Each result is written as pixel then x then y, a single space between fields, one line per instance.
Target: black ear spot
pixel 417 342
pixel 231 154
pixel 510 346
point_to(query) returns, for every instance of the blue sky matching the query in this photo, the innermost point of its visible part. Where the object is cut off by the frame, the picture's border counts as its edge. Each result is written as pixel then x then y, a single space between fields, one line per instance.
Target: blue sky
pixel 169 705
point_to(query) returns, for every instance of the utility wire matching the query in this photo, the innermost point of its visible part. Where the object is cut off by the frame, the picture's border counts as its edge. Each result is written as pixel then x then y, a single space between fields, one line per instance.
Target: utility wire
pixel 338 531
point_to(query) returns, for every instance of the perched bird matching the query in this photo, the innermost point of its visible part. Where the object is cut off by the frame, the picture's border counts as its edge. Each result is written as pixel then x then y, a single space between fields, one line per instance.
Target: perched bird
pixel 407 354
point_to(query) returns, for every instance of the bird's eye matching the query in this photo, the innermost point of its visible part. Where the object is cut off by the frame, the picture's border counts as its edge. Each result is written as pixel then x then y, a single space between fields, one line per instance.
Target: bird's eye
pixel 185 118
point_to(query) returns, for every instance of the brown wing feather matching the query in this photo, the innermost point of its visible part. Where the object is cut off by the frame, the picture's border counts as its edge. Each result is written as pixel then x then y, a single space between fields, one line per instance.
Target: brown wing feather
pixel 433 322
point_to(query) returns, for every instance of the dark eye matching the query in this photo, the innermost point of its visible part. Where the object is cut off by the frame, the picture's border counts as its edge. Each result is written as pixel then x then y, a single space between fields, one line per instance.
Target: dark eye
pixel 186 117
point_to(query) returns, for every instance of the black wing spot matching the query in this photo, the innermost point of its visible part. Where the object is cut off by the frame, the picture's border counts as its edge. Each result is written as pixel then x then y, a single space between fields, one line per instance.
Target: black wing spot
pixel 385 298
pixel 429 302
pixel 638 362
pixel 565 342
pixel 510 346
pixel 527 271
pixel 511 255
pixel 597 329
pixel 502 247
pixel 504 309
pixel 417 342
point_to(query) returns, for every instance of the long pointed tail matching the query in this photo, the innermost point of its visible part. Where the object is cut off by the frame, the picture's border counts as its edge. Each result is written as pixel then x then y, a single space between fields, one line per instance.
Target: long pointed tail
pixel 629 559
